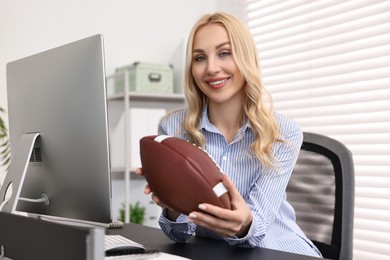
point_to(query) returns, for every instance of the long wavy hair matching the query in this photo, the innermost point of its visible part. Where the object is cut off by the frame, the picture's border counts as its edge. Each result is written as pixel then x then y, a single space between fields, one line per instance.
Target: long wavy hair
pixel 257 105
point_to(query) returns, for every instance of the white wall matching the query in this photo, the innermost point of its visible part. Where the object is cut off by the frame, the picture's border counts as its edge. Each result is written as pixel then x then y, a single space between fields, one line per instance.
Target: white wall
pixel 143 30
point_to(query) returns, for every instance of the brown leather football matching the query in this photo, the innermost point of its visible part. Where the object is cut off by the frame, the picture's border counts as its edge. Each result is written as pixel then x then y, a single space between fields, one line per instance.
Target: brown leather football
pixel 181 174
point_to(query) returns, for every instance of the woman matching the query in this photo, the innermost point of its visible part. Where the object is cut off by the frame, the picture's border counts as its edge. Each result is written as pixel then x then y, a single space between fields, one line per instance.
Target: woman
pixel 227 113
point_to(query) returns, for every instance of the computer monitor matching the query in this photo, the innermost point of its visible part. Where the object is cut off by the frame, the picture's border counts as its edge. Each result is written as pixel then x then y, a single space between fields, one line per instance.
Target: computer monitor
pixel 60 162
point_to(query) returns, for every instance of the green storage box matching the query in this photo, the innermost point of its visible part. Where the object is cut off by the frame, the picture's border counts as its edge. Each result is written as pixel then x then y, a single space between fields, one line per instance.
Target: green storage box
pixel 146 77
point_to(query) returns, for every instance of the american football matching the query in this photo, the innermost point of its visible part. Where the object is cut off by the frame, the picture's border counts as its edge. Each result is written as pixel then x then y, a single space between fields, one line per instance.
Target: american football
pixel 181 174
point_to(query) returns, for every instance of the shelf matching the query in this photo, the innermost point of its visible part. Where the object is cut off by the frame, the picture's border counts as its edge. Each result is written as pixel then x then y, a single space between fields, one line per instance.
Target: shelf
pixel 117 173
pixel 120 102
pixel 139 96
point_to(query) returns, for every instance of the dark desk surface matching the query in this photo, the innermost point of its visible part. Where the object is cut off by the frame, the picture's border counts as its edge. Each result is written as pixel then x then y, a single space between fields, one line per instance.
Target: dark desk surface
pixel 199 248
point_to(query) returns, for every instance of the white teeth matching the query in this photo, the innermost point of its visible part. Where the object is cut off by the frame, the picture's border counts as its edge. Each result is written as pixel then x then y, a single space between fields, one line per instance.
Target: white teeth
pixel 217 82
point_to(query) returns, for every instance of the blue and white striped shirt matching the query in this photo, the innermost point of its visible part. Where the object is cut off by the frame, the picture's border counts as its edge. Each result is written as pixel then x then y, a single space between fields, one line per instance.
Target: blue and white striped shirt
pixel 263 189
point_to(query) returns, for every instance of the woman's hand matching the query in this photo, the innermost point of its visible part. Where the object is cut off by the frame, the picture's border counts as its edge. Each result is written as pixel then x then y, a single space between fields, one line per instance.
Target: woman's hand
pixel 148 190
pixel 172 215
pixel 227 223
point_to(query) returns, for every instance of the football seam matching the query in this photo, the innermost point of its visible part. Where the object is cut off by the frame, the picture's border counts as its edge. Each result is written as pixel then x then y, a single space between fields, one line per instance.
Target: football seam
pixel 192 165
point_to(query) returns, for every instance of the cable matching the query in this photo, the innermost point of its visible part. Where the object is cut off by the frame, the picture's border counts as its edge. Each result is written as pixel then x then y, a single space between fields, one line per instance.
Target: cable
pixel 43 199
pixel 116 224
pixel 32 200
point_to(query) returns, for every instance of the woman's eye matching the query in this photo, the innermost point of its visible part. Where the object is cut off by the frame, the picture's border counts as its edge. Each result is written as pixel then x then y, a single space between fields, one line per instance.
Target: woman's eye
pixel 224 53
pixel 199 58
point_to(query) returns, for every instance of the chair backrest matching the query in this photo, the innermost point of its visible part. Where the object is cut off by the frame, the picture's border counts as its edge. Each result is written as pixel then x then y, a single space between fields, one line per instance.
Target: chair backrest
pixel 321 190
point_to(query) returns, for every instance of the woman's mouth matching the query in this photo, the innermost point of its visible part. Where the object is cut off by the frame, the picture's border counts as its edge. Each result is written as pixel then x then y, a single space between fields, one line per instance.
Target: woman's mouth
pixel 217 83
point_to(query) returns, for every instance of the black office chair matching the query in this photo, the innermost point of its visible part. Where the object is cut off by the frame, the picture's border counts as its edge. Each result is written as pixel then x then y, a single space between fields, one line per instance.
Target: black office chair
pixel 321 190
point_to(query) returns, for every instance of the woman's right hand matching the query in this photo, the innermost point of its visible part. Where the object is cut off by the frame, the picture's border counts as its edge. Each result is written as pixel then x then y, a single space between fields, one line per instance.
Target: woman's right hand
pixel 172 214
pixel 148 190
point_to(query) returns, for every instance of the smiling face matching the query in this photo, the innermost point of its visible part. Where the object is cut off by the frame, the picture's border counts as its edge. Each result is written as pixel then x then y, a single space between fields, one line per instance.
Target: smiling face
pixel 213 67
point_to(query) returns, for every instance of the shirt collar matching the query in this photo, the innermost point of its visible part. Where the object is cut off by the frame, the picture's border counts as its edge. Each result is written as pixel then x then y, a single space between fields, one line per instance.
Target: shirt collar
pixel 206 124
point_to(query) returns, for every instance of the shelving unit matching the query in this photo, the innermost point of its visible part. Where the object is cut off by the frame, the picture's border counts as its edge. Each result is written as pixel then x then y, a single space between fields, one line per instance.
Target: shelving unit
pixel 129 100
pixel 149 97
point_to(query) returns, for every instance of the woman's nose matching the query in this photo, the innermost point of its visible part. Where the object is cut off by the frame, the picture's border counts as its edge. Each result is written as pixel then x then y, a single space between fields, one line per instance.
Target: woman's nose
pixel 212 66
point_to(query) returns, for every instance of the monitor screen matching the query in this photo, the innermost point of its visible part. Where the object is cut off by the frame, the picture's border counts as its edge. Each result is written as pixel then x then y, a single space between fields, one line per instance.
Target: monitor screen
pixel 60 96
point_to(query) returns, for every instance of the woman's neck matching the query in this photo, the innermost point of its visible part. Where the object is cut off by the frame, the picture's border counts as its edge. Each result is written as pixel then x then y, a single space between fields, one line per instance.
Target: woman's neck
pixel 227 117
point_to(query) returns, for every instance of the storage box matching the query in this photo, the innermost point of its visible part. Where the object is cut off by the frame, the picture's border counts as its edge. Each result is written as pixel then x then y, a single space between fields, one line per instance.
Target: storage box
pixel 146 77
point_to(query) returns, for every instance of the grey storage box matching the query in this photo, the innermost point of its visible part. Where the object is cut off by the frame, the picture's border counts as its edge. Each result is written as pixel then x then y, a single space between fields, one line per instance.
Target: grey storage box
pixel 146 77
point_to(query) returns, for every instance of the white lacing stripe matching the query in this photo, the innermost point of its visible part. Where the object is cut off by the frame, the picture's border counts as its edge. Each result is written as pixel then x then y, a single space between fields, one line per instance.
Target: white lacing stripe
pixel 161 138
pixel 219 189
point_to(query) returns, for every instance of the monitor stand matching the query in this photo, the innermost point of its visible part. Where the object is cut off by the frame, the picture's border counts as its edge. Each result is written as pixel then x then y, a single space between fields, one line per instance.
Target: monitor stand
pixel 17 172
pixel 15 179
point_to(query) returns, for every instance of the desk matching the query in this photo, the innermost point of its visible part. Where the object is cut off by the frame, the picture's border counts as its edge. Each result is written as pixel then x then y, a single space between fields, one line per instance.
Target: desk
pixel 199 248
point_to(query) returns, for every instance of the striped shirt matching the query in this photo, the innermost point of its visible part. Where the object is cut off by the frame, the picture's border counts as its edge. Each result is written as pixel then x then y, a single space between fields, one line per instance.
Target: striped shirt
pixel 264 189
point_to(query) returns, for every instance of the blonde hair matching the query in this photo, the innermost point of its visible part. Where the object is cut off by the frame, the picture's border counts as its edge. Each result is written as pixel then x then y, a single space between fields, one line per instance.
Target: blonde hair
pixel 256 109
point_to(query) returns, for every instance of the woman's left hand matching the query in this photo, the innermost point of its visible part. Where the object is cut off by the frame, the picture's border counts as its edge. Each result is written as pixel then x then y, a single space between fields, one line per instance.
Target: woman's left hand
pixel 225 222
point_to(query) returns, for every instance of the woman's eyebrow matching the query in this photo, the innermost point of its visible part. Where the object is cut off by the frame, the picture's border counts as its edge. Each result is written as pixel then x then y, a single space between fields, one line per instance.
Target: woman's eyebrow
pixel 216 47
pixel 197 50
pixel 221 45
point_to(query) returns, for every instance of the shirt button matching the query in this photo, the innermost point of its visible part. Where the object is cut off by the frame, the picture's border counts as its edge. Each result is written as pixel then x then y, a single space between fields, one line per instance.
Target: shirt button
pixel 224 158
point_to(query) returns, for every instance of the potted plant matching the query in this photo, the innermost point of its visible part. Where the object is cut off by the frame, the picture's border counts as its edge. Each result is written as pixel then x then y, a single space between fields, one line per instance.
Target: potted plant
pixel 5 155
pixel 137 213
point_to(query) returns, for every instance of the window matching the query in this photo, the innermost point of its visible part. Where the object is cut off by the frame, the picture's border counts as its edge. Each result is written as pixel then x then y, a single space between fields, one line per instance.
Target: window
pixel 327 65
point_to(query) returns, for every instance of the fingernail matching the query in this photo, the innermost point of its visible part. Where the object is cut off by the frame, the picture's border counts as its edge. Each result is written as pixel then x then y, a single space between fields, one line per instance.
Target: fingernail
pixel 202 207
pixel 192 215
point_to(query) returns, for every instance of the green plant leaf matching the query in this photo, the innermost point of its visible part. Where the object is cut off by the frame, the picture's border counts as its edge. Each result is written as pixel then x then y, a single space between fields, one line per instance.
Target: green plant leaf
pixel 137 213
pixel 5 153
